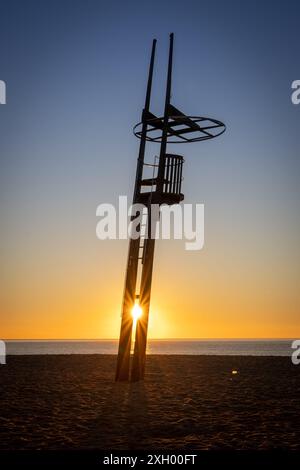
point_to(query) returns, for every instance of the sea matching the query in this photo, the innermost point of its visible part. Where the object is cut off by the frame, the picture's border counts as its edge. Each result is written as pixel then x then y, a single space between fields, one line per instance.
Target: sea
pixel 228 347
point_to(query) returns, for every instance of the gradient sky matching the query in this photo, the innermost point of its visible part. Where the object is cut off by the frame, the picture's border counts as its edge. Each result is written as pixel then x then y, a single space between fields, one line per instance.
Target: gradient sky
pixel 76 74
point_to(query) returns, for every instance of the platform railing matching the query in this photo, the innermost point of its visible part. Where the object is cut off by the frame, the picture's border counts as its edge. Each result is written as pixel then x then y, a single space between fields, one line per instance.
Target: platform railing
pixel 173 174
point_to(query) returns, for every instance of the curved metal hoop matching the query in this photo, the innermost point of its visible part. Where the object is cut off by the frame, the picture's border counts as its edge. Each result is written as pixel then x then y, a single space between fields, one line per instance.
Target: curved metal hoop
pixel 210 129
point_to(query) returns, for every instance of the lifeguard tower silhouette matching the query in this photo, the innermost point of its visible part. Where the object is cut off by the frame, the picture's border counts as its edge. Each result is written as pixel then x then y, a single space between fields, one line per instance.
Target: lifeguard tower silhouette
pixel 164 187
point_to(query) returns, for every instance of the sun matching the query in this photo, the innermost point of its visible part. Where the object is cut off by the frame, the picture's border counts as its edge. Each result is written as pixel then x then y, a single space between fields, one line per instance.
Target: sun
pixel 136 311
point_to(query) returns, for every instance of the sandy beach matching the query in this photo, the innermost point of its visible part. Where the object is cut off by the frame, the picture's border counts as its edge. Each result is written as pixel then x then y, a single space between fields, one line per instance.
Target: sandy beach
pixel 185 402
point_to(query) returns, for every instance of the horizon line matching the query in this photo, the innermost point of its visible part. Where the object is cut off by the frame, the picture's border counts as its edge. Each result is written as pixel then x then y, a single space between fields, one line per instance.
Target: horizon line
pixel 157 339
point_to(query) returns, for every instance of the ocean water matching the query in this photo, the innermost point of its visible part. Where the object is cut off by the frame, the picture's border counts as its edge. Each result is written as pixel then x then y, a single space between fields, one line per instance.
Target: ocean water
pixel 190 347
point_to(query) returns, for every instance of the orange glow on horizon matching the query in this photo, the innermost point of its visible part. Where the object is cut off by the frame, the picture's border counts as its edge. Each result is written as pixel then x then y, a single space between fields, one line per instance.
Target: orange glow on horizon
pixel 57 297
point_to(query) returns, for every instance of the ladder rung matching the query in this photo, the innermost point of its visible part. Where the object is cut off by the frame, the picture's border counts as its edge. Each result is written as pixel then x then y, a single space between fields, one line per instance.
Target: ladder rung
pixel 148 182
pixel 152 181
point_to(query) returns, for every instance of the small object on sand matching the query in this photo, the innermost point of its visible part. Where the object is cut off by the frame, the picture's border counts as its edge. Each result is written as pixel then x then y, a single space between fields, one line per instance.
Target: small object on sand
pixel 234 372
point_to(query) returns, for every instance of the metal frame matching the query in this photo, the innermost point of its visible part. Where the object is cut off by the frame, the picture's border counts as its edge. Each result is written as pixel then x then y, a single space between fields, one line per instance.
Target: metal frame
pixel 189 125
pixel 174 127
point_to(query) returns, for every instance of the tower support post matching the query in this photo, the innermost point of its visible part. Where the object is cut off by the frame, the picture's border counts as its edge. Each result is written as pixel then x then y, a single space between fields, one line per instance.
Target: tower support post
pixel 140 345
pixel 123 360
pixel 139 357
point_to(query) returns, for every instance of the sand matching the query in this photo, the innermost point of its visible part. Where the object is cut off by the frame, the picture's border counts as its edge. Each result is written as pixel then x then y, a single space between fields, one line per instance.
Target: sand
pixel 185 403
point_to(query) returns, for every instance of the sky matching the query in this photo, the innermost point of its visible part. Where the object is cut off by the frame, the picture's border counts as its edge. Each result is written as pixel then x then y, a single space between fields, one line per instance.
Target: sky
pixel 76 73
